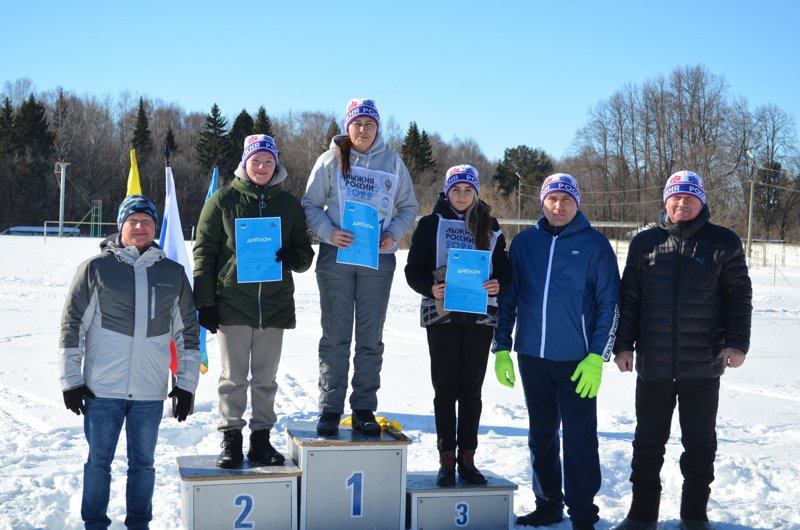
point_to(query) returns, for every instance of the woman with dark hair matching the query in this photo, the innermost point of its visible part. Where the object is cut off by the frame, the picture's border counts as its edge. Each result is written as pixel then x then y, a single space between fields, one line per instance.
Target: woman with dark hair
pixel 458 342
pixel 357 167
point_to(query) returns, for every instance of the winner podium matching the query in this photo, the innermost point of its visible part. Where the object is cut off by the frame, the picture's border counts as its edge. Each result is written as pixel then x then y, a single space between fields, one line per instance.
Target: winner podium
pixel 350 480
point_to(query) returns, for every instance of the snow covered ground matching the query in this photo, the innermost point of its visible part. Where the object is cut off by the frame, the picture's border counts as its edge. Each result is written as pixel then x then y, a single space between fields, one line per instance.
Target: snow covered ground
pixel 42 448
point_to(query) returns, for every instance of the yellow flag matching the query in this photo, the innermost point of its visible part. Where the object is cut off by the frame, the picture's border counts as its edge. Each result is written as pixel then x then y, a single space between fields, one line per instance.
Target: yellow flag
pixel 134 188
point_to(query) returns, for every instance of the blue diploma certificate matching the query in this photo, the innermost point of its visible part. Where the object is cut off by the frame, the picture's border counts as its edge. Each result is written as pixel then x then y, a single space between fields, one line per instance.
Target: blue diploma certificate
pixel 362 220
pixel 257 241
pixel 466 272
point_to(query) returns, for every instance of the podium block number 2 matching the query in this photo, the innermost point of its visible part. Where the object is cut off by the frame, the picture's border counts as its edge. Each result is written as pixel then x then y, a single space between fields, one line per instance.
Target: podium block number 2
pixel 462 511
pixel 246 502
pixel 355 482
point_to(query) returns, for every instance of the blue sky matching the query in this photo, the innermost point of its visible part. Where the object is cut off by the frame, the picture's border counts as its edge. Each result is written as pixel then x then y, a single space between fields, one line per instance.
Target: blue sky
pixel 502 73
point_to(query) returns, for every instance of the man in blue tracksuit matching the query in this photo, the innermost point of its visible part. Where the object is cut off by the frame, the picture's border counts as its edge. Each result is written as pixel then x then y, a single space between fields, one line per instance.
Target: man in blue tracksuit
pixel 564 298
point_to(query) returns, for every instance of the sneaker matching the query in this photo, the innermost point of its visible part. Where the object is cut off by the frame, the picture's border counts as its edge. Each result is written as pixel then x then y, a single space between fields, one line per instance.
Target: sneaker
pixel 447 469
pixel 328 424
pixel 582 524
pixel 364 421
pixel 231 455
pixel 261 450
pixel 539 517
pixel 467 470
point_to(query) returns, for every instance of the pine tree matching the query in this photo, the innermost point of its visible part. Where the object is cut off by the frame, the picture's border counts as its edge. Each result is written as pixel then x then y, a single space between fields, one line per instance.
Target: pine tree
pixel 7 139
pixel 142 140
pixel 33 137
pixel 425 161
pixel 169 140
pixel 243 126
pixel 411 147
pixel 333 130
pixel 531 164
pixel 262 124
pixel 213 146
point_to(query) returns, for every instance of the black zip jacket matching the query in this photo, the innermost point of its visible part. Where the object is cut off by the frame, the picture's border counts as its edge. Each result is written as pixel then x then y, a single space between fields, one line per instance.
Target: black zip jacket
pixel 685 297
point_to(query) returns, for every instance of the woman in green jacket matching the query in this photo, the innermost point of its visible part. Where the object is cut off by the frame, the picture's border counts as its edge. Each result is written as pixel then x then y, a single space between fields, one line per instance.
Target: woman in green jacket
pixel 249 316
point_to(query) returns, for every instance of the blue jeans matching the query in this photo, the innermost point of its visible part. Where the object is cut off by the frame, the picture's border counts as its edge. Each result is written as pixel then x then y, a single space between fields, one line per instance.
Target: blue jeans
pixel 102 426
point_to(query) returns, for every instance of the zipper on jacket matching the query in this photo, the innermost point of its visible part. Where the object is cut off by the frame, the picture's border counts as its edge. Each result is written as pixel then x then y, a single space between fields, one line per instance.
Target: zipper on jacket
pixel 152 303
pixel 262 205
pixel 544 298
pixel 675 293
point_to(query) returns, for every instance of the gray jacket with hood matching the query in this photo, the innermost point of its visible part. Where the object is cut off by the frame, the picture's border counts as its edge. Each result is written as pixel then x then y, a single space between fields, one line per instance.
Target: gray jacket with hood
pixel 121 312
pixel 321 201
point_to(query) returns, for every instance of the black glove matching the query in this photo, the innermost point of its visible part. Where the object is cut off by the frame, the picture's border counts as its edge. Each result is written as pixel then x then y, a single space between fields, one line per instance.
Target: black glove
pixel 73 398
pixel 208 318
pixel 289 256
pixel 184 405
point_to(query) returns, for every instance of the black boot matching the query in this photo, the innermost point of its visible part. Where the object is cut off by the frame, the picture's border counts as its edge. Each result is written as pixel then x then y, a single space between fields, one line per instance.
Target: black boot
pixel 328 424
pixel 540 517
pixel 643 514
pixel 447 469
pixel 364 421
pixel 694 503
pixel 262 451
pixel 231 455
pixel 467 469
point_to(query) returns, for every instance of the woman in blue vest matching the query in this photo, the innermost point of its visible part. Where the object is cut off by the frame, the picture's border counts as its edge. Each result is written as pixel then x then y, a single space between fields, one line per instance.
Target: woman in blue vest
pixel 458 342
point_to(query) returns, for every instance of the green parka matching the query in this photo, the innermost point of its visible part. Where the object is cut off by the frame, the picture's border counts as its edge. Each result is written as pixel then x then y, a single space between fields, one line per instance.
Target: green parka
pixel 262 304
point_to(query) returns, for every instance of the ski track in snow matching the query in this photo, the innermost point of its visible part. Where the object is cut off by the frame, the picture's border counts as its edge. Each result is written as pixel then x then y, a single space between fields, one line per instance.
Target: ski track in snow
pixel 43 449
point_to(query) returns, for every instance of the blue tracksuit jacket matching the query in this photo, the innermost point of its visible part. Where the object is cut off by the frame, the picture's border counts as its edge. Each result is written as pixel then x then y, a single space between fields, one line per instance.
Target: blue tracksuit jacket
pixel 564 294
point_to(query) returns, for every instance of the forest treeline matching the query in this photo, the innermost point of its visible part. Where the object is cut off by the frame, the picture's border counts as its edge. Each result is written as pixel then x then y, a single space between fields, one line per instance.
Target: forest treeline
pixel 631 142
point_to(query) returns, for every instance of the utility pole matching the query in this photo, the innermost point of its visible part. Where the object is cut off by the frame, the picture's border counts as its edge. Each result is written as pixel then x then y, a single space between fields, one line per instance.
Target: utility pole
pixel 61 167
pixel 519 199
pixel 750 216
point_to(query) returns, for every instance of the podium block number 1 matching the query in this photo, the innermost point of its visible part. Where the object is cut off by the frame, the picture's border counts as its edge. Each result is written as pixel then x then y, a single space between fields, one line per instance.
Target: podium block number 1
pixel 246 502
pixel 462 511
pixel 356 482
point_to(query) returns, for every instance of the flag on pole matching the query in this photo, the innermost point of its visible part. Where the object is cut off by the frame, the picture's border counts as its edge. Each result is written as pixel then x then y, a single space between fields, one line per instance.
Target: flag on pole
pixel 171 240
pixel 134 188
pixel 212 187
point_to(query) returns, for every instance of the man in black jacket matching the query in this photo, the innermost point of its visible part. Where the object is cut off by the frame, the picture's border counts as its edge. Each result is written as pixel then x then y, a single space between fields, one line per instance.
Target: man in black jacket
pixel 686 304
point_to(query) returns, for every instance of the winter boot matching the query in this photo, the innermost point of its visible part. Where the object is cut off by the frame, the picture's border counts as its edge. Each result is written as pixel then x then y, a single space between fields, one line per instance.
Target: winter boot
pixel 447 469
pixel 540 517
pixel 231 455
pixel 261 450
pixel 364 421
pixel 328 424
pixel 582 524
pixel 467 469
pixel 643 514
pixel 694 503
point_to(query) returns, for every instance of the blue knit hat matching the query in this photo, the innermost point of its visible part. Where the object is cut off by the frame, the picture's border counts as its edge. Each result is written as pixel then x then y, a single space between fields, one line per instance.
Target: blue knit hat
pixel 259 142
pixel 361 107
pixel 133 204
pixel 685 183
pixel 563 183
pixel 462 174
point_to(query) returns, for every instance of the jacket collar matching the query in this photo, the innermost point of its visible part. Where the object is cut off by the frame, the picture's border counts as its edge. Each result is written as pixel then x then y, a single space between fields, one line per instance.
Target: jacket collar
pixel 580 222
pixel 685 228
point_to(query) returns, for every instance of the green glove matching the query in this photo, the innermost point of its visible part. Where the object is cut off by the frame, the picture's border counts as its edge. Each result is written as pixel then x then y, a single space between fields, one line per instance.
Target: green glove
pixel 590 370
pixel 504 368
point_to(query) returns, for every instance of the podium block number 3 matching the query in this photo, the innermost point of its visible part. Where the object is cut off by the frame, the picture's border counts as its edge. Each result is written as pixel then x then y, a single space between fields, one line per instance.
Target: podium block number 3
pixel 246 502
pixel 462 511
pixel 355 482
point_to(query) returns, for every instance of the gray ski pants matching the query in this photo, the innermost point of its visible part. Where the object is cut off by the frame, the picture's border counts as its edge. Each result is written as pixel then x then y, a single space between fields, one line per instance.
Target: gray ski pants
pixel 246 350
pixel 349 294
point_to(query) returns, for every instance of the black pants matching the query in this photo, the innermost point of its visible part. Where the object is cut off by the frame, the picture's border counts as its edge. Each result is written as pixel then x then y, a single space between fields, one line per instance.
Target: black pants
pixel 459 354
pixel 697 409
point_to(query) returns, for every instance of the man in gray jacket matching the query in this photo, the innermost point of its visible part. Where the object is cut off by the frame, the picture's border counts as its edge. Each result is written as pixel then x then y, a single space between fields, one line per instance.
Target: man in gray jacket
pixel 124 307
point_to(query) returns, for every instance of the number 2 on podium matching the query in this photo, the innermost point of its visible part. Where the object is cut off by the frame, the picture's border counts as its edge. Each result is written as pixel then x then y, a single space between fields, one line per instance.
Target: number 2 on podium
pixel 356 483
pixel 246 501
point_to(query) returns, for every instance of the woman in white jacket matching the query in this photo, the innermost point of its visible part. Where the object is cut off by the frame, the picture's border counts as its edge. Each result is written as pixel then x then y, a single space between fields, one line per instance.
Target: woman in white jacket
pixel 357 167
